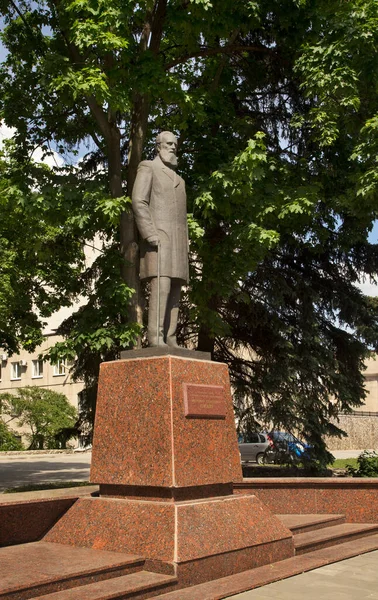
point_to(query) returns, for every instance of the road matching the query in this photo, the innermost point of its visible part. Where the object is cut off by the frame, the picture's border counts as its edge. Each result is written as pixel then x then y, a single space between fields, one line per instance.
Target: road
pixel 27 469
pixel 24 469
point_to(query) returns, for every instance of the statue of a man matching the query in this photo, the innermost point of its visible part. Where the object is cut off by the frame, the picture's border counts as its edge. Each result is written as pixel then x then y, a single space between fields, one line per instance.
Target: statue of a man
pixel 159 205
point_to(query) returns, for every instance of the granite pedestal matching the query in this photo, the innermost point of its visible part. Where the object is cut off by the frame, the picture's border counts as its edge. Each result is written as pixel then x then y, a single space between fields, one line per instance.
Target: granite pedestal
pixel 165 455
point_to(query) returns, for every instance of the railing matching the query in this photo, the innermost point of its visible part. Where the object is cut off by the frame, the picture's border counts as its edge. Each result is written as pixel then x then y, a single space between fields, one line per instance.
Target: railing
pixel 359 413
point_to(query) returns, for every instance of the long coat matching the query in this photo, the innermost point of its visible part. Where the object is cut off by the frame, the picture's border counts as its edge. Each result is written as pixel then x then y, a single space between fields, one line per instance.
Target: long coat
pixel 159 205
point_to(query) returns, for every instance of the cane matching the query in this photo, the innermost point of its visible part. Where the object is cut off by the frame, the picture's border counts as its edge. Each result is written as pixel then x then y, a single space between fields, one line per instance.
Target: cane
pixel 158 294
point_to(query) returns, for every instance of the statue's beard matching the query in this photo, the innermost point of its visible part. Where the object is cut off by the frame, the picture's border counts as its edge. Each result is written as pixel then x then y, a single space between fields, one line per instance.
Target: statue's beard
pixel 168 158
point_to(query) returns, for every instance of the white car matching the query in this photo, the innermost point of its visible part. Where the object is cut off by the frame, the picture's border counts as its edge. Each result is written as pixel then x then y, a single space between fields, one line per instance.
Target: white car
pixel 252 447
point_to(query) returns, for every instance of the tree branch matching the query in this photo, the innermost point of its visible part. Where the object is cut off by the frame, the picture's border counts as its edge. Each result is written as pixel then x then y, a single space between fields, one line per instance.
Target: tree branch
pixel 95 108
pixel 214 51
pixel 222 64
pixel 158 19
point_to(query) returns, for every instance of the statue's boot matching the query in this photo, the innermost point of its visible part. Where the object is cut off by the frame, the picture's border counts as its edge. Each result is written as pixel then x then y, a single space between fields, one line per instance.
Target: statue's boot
pixel 172 313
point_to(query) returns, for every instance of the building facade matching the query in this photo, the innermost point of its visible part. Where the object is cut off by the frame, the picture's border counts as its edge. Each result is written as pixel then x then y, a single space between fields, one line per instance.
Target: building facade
pixel 27 369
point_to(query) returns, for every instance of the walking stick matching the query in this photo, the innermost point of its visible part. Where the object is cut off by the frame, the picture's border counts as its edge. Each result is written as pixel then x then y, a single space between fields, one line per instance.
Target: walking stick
pixel 158 294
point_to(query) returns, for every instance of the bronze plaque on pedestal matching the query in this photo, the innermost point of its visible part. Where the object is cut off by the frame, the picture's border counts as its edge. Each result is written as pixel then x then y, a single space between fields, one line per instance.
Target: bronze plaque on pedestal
pixel 204 401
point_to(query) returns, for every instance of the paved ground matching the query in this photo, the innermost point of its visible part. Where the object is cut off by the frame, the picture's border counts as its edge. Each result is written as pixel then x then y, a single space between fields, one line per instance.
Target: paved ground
pixel 352 579
pixel 348 453
pixel 25 469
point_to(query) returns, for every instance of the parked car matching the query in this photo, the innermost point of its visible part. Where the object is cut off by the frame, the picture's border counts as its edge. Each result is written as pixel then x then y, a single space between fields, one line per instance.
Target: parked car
pixel 285 448
pixel 252 447
pixel 272 447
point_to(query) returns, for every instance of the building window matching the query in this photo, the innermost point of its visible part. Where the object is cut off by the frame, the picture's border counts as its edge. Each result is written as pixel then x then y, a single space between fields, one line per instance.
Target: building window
pixel 37 368
pixel 60 368
pixel 15 370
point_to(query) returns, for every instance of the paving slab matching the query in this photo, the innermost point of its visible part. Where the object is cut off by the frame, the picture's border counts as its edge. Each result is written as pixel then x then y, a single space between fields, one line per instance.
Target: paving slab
pixel 352 579
pixel 261 578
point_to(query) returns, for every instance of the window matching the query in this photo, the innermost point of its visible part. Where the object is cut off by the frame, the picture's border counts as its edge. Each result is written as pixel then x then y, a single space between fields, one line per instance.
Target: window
pixel 0 371
pixel 60 368
pixel 37 368
pixel 15 370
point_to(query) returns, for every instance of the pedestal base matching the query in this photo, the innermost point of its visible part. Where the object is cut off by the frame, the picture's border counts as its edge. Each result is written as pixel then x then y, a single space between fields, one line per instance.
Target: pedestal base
pixel 165 455
pixel 199 539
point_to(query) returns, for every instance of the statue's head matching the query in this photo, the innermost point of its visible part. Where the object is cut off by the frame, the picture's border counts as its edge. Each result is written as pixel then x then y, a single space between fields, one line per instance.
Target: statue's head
pixel 166 146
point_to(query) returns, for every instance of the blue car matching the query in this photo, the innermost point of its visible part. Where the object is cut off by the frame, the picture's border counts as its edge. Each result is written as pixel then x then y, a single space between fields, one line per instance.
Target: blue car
pixel 283 441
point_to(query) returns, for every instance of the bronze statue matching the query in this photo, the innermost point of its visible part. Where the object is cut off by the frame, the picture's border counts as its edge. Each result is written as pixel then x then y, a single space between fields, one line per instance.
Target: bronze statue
pixel 159 205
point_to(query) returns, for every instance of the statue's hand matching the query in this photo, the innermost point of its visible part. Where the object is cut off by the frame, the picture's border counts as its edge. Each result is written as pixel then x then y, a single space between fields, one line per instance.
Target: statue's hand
pixel 153 241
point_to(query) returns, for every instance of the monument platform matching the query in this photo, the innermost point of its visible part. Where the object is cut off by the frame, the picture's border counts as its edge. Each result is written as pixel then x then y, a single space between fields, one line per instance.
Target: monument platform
pixel 165 456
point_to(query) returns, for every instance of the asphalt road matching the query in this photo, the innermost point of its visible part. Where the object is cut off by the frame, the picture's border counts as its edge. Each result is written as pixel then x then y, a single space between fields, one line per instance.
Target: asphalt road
pixel 27 469
pixel 23 469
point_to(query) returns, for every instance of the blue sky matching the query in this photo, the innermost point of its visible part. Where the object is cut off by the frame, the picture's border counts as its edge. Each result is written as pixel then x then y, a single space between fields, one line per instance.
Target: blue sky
pixel 373 237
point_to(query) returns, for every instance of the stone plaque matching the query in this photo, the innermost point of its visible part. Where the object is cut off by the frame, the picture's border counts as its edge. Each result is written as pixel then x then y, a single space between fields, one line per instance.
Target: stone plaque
pixel 204 401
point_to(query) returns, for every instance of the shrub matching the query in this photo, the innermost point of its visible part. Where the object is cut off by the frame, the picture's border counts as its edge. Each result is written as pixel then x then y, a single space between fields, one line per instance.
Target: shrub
pixel 8 441
pixel 367 465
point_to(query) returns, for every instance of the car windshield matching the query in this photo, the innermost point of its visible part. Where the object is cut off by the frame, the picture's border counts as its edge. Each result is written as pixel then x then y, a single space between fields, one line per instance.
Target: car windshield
pixel 283 436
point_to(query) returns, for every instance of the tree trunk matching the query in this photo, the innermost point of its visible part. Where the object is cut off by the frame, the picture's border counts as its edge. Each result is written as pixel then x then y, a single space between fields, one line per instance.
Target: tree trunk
pixel 205 342
pixel 129 244
pixel 129 232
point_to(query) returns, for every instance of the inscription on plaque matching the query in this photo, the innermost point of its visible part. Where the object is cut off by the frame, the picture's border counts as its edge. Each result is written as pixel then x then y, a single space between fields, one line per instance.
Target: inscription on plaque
pixel 204 401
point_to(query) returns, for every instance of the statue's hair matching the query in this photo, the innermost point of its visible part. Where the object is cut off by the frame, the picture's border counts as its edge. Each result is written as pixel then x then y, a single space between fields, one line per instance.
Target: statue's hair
pixel 160 136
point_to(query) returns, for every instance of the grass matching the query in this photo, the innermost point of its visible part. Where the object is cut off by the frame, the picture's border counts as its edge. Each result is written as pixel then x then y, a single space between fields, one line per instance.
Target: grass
pixel 342 463
pixel 53 485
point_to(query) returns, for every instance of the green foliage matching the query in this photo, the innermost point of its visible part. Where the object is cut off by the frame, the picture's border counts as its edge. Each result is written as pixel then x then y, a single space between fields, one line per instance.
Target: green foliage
pixel 8 441
pixel 342 463
pixel 367 465
pixel 48 414
pixel 276 107
pixel 40 260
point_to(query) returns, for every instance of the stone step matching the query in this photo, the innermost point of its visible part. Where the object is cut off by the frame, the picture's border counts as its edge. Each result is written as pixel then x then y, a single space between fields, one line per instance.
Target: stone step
pixel 330 536
pixel 38 568
pixel 255 578
pixel 136 586
pixel 303 523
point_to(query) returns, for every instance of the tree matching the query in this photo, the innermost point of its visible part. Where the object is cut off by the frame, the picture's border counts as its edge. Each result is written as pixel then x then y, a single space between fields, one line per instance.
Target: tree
pixel 48 414
pixel 276 107
pixel 8 441
pixel 40 260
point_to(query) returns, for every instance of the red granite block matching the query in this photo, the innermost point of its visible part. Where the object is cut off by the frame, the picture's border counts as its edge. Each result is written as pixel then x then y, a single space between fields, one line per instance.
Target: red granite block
pixel 117 525
pixel 309 522
pixel 358 502
pixel 356 498
pixel 39 568
pixel 165 494
pixel 219 525
pixel 140 586
pixel 282 498
pixel 203 538
pixel 231 563
pixel 330 536
pixel 132 437
pixel 142 435
pixel 205 450
pixel 28 521
pixel 226 587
